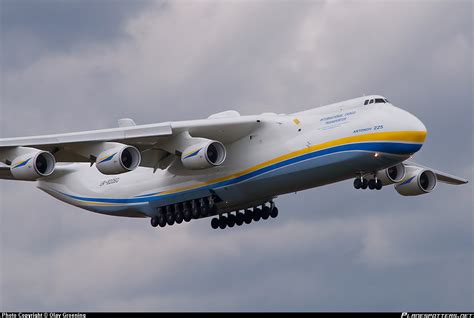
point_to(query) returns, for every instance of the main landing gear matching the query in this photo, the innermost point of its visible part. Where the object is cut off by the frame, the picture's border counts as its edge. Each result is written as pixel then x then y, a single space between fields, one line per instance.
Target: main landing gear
pixel 184 211
pixel 247 216
pixel 363 183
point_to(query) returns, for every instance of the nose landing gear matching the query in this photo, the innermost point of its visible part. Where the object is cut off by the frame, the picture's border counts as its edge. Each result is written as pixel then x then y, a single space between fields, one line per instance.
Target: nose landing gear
pixel 372 183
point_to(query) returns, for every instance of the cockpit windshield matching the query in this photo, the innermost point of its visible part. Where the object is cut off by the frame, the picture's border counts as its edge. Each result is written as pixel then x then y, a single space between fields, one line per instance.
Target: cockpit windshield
pixel 375 101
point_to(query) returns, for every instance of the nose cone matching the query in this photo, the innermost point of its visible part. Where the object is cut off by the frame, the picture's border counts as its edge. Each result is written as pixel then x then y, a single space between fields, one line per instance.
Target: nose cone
pixel 406 121
pixel 413 123
pixel 412 130
pixel 413 127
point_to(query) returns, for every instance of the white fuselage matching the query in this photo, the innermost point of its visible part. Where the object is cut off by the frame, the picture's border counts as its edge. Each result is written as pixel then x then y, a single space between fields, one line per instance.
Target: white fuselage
pixel 286 153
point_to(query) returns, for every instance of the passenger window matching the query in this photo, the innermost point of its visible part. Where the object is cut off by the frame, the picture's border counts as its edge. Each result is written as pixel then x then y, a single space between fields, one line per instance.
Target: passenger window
pixel 371 101
pixel 366 102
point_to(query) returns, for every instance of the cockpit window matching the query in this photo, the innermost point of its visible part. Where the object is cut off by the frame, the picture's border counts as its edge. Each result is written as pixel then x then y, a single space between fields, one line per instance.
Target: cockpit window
pixel 376 101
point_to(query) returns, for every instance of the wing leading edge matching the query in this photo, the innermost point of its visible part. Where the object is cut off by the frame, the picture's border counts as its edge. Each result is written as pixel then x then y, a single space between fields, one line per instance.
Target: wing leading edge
pixel 441 176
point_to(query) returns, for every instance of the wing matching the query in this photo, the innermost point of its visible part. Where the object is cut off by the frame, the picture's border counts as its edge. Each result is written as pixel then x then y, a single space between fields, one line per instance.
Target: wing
pixel 441 176
pixel 225 130
pixel 152 140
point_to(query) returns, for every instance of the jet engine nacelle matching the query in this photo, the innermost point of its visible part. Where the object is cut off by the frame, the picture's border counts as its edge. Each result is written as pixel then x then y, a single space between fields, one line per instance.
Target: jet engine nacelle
pixel 204 155
pixel 417 181
pixel 32 166
pixel 118 160
pixel 392 175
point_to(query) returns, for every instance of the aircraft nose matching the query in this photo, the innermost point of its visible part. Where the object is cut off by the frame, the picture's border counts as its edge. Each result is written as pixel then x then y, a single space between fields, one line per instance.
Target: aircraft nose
pixel 415 126
pixel 407 121
pixel 414 123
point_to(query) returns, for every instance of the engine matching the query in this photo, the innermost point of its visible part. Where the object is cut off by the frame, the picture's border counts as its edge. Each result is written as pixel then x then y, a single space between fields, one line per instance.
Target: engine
pixel 33 165
pixel 417 181
pixel 204 155
pixel 392 175
pixel 118 160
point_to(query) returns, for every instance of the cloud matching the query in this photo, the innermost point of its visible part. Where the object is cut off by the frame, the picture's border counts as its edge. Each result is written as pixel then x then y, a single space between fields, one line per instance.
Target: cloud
pixel 31 30
pixel 331 248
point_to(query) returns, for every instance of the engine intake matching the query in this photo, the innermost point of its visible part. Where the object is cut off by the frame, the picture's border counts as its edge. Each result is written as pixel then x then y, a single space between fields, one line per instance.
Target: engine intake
pixel 204 155
pixel 118 160
pixel 417 181
pixel 392 175
pixel 32 166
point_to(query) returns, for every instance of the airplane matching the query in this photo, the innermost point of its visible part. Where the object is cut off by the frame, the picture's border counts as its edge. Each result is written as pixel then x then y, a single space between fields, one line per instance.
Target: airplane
pixel 227 167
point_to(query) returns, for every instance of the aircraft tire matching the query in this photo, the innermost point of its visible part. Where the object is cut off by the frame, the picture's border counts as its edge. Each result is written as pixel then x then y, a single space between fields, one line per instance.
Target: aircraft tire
pixel 162 221
pixel 222 222
pixel 154 221
pixel 378 185
pixel 187 215
pixel 257 214
pixel 265 212
pixel 170 218
pixel 371 184
pixel 248 216
pixel 204 211
pixel 196 213
pixel 364 184
pixel 274 212
pixel 179 217
pixel 239 219
pixel 357 183
pixel 230 220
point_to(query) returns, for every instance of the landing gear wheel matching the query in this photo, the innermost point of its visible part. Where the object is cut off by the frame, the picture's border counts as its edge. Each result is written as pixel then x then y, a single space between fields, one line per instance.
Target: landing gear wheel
pixel 239 219
pixel 162 221
pixel 357 183
pixel 154 221
pixel 187 215
pixel 378 185
pixel 265 212
pixel 196 212
pixel 204 211
pixel 257 214
pixel 248 216
pixel 170 218
pixel 222 222
pixel 364 184
pixel 372 184
pixel 215 223
pixel 274 212
pixel 179 217
pixel 230 220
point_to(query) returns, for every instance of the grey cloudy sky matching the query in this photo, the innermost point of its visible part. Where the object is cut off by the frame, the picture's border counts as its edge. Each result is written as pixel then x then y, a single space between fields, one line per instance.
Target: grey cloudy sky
pixel 79 65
